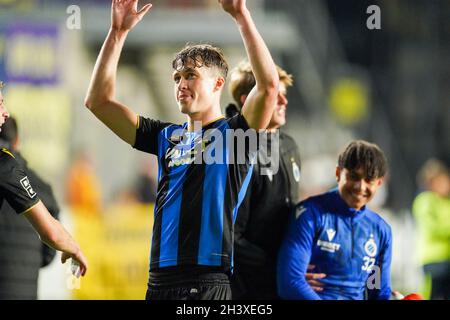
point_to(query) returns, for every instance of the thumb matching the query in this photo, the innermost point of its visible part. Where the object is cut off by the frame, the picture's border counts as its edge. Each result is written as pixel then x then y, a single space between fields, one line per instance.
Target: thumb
pixel 144 10
pixel 64 257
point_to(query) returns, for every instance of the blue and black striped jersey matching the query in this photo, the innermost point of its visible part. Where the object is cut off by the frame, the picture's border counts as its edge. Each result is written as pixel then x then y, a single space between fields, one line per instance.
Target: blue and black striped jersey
pixel 352 247
pixel 197 199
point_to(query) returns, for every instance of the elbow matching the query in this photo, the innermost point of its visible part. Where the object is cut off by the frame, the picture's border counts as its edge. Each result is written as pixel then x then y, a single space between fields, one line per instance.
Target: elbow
pixel 269 92
pixel 94 103
pixel 91 102
pixel 271 88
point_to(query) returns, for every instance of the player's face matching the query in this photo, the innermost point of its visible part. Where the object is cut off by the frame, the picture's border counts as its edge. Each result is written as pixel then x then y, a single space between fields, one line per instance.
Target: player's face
pixel 194 88
pixel 355 189
pixel 279 115
pixel 3 113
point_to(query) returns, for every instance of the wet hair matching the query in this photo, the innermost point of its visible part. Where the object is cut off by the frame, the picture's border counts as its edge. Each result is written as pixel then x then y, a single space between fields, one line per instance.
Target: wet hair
pixel 201 55
pixel 9 133
pixel 366 155
pixel 242 80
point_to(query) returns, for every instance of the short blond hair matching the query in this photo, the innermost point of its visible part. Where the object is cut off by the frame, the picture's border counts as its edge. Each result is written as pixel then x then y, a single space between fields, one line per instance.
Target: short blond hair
pixel 242 80
pixel 431 169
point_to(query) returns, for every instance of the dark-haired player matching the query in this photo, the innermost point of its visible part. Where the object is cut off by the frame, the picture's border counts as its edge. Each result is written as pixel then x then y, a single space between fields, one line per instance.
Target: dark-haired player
pixel 340 235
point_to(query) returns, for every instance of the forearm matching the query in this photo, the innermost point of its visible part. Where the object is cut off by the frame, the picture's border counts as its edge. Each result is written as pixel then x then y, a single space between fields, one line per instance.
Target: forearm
pixel 260 59
pixel 59 239
pixel 50 230
pixel 103 82
pixel 293 285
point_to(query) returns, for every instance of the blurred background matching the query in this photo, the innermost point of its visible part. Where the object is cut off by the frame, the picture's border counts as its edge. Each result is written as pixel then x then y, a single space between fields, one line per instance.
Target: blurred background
pixel 389 85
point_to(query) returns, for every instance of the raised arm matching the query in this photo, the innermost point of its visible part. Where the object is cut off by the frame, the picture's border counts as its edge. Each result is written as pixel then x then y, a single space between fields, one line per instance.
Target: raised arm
pixel 53 234
pixel 100 98
pixel 259 105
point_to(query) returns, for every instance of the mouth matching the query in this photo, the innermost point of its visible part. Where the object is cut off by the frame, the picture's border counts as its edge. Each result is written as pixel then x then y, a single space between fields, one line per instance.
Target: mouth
pixel 358 196
pixel 183 96
pixel 282 111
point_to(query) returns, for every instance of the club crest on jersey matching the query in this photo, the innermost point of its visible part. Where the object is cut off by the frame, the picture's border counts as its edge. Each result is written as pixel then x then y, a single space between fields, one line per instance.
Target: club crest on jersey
pixel 296 171
pixel 27 186
pixel 370 247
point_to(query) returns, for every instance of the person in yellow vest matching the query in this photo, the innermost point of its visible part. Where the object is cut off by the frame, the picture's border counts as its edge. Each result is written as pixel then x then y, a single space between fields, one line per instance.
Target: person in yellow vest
pixel 431 210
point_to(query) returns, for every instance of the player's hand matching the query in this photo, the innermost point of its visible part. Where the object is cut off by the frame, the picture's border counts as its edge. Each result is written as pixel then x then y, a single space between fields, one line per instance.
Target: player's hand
pixel 79 258
pixel 312 279
pixel 124 14
pixel 233 7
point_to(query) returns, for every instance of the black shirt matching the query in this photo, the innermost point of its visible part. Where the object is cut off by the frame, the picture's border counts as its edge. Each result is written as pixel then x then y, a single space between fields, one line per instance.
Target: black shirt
pixel 22 254
pixel 262 218
pixel 15 187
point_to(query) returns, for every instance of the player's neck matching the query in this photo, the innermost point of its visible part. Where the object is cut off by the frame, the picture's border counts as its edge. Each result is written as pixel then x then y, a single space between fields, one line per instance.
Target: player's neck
pixel 198 120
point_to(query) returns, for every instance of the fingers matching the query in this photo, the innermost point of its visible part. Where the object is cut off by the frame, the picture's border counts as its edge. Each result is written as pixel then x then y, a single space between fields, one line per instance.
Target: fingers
pixel 144 10
pixel 317 289
pixel 310 267
pixel 315 283
pixel 310 276
pixel 81 259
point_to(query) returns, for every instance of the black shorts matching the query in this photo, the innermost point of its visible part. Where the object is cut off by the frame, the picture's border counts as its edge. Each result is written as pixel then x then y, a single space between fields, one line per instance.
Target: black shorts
pixel 188 285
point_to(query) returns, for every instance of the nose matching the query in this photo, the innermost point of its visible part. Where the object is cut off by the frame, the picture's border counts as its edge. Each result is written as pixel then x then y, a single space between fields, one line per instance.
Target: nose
pixel 4 112
pixel 359 185
pixel 282 99
pixel 182 84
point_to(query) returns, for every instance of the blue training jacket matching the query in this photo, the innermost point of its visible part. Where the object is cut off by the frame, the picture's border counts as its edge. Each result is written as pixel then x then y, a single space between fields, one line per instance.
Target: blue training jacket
pixel 352 247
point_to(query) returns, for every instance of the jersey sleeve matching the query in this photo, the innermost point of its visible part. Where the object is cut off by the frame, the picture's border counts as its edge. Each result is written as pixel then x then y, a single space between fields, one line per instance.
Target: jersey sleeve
pixel 383 291
pixel 295 254
pixel 147 133
pixel 245 141
pixel 15 186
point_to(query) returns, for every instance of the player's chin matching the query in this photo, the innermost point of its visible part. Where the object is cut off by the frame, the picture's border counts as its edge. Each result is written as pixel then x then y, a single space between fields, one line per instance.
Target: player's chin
pixel 184 108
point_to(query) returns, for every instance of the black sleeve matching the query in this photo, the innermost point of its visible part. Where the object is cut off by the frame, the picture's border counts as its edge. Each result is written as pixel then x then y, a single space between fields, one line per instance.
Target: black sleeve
pixel 15 185
pixel 147 134
pixel 246 155
pixel 238 122
pixel 49 200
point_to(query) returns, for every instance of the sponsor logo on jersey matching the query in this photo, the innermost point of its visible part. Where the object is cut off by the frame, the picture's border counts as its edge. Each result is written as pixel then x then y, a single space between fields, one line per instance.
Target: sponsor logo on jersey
pixel 331 233
pixel 329 246
pixel 27 186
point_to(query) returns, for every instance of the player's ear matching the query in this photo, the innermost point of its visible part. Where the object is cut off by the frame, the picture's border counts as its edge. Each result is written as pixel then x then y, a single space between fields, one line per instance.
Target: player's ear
pixel 338 173
pixel 220 82
pixel 380 181
pixel 16 143
pixel 243 98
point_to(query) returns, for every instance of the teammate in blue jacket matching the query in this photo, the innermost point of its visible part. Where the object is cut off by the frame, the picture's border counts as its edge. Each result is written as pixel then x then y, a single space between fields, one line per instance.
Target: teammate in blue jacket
pixel 340 236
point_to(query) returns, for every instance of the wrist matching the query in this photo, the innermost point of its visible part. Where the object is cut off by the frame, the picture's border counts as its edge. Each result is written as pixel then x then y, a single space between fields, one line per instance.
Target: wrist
pixel 242 16
pixel 118 33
